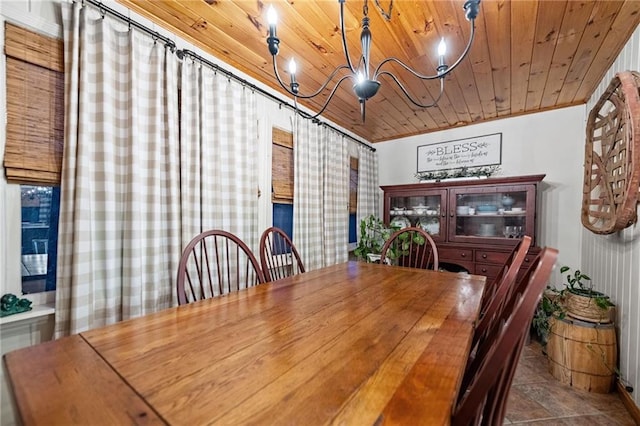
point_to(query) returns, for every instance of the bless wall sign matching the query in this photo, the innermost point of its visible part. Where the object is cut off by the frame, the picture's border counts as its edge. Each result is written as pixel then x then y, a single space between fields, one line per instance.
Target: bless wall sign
pixel 461 153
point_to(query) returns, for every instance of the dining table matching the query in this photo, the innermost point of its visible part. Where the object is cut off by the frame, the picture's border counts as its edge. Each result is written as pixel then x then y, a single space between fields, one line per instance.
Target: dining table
pixel 352 343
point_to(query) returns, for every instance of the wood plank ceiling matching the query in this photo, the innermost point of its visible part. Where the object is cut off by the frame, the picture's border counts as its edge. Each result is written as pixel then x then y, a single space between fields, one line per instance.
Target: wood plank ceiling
pixel 528 55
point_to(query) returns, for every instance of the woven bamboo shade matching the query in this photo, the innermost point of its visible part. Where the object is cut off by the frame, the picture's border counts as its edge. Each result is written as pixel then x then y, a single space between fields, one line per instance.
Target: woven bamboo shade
pixel 35 107
pixel 282 166
pixel 612 157
pixel 353 185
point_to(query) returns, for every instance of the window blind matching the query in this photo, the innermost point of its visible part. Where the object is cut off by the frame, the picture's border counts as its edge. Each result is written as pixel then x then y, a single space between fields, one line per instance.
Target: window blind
pixel 282 166
pixel 353 185
pixel 35 107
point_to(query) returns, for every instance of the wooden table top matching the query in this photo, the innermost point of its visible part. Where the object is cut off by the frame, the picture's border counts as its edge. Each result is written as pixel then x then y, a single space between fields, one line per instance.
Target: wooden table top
pixel 353 343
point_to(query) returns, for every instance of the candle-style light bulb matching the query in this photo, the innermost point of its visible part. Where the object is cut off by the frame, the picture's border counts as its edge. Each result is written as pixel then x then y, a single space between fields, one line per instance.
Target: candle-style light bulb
pixel 442 49
pixel 292 67
pixel 292 72
pixel 272 40
pixel 272 16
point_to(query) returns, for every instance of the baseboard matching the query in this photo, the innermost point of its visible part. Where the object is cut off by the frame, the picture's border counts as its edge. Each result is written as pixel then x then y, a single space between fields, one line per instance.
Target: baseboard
pixel 628 402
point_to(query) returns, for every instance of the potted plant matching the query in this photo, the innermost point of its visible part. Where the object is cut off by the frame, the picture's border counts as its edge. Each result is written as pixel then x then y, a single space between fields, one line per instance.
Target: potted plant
pixel 373 234
pixel 577 299
pixel 581 301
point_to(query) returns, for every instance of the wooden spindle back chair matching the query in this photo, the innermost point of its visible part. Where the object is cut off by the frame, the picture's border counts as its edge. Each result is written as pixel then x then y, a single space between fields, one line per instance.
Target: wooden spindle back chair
pixel 214 263
pixel 278 255
pixel 508 272
pixel 483 398
pixel 412 247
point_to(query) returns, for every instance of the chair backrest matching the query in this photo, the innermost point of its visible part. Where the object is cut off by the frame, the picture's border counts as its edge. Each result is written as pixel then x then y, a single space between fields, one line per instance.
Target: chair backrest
pixel 278 255
pixel 483 398
pixel 499 291
pixel 214 263
pixel 508 272
pixel 489 325
pixel 412 247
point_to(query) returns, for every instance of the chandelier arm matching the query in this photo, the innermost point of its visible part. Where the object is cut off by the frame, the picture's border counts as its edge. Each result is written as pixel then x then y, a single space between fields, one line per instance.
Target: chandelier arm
pixel 326 103
pixel 324 85
pixel 406 93
pixel 345 48
pixel 443 73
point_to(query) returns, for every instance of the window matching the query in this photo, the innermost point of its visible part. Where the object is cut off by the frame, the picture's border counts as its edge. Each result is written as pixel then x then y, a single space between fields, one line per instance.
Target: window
pixel 282 180
pixel 34 144
pixel 353 199
pixel 40 211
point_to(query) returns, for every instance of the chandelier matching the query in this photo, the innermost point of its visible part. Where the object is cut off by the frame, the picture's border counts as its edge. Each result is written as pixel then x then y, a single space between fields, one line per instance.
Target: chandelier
pixel 366 84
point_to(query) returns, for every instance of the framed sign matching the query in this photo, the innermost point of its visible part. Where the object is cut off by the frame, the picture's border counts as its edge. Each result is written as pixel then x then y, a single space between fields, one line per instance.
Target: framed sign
pixel 461 153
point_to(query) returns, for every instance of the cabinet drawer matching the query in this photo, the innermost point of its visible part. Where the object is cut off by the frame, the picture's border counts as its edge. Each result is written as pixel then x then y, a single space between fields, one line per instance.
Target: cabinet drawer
pixel 489 270
pixel 487 256
pixel 453 254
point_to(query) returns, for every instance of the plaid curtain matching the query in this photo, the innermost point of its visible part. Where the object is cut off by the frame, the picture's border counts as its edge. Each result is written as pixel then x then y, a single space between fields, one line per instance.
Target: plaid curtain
pixel 368 190
pixel 321 194
pixel 218 155
pixel 335 194
pixel 119 211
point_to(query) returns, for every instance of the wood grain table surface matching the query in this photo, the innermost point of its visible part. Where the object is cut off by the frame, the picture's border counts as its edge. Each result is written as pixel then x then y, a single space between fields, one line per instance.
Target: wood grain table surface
pixel 353 343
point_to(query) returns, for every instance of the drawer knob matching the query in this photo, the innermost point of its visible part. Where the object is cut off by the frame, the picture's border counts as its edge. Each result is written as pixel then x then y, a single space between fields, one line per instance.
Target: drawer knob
pixel 463 255
pixel 484 270
pixel 484 256
pixel 526 259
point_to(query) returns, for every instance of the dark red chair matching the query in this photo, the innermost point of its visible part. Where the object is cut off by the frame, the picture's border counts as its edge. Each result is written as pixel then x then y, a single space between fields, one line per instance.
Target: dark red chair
pixel 508 272
pixel 412 247
pixel 278 255
pixel 214 263
pixel 485 388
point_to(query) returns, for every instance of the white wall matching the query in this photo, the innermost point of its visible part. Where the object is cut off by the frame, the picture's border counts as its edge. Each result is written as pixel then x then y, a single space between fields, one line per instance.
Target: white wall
pixel 546 143
pixel 613 261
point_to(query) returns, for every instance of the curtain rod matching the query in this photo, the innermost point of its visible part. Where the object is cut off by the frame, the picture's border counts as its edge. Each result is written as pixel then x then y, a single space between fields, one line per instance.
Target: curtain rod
pixel 181 53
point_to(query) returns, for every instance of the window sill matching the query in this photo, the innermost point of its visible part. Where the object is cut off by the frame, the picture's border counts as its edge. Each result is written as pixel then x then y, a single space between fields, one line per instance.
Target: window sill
pixel 37 312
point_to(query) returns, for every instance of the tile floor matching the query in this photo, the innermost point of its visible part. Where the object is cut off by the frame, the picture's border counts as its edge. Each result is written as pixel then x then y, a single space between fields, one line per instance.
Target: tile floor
pixel 537 398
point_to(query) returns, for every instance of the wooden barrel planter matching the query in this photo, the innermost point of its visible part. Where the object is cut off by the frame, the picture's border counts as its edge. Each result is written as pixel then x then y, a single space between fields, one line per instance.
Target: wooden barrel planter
pixel 582 354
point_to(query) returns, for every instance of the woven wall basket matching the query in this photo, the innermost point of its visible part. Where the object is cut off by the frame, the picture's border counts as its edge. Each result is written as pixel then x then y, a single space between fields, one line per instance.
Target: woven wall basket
pixel 612 157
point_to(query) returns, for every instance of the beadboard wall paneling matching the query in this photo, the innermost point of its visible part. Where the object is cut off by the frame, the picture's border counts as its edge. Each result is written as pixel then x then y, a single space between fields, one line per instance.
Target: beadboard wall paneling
pixel 613 261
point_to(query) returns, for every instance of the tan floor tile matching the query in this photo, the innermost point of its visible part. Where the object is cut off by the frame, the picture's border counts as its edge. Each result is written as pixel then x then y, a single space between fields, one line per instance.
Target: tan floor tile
pixel 536 398
pixel 521 406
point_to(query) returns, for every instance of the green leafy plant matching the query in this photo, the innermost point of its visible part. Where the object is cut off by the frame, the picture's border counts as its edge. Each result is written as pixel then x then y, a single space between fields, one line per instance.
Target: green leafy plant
pixel 554 301
pixel 576 284
pixel 548 307
pixel 402 245
pixel 373 234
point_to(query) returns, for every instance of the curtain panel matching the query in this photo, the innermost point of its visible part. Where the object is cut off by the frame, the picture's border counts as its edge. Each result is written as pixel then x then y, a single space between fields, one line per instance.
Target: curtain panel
pixel 368 190
pixel 119 215
pixel 218 155
pixel 335 191
pixel 321 194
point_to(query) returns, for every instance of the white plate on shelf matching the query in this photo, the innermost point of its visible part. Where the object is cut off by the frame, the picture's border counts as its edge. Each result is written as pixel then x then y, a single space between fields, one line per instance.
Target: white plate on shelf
pixel 514 213
pixel 486 213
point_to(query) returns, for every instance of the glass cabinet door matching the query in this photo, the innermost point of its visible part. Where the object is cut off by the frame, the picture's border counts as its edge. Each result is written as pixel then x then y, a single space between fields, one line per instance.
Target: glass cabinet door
pixel 426 210
pixel 496 214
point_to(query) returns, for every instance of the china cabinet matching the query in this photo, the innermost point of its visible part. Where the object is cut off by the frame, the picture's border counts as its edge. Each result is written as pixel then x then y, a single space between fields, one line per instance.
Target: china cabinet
pixel 474 222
